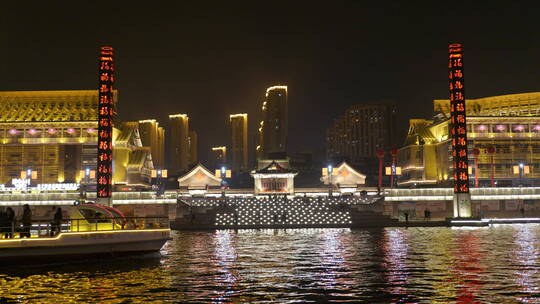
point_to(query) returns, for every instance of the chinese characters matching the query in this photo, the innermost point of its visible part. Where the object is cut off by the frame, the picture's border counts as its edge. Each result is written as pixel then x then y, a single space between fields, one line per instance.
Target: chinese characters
pixel 105 122
pixel 458 114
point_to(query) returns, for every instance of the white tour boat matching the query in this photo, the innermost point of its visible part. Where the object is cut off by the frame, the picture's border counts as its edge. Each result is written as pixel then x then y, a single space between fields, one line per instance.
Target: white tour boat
pixel 91 230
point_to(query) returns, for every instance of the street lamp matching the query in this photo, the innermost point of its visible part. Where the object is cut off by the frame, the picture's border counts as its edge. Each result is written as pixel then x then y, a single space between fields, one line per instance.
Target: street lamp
pixel 223 173
pixel 393 171
pixel 521 169
pixel 158 174
pixel 88 174
pixel 29 174
pixel 330 173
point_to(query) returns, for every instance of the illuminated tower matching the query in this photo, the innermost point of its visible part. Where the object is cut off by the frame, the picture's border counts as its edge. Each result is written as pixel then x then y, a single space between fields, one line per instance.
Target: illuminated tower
pixel 239 142
pixel 152 136
pixel 462 199
pixel 105 125
pixel 179 148
pixel 274 123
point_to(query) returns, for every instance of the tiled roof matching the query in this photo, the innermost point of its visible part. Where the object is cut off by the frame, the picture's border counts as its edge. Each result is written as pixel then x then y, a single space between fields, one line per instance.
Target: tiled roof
pixel 38 106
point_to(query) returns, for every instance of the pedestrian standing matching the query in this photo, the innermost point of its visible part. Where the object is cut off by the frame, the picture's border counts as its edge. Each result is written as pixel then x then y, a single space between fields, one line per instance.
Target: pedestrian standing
pixel 56 226
pixel 10 221
pixel 26 221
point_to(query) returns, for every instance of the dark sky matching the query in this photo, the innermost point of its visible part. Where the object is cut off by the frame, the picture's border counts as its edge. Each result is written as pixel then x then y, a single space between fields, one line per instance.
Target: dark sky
pixel 212 59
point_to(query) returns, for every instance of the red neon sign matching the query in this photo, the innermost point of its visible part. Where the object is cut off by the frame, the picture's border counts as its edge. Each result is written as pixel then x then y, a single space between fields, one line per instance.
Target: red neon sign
pixel 459 118
pixel 105 122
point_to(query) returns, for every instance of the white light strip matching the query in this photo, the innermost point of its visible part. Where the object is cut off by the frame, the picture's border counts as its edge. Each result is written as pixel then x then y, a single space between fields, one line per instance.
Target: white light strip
pixel 469 221
pixel 521 219
pixel 451 197
pixel 71 202
pixel 419 198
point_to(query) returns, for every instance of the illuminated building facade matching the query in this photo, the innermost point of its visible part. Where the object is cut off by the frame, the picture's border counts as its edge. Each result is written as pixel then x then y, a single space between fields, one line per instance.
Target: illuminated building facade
pixel 362 130
pixel 55 133
pixel 274 125
pixel 509 123
pixel 179 139
pixel 152 136
pixel 239 142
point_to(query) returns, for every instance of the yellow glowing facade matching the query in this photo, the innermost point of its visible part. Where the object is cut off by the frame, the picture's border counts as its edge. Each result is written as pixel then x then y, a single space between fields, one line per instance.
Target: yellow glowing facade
pixel 239 142
pixel 152 135
pixel 179 148
pixel 55 134
pixel 274 126
pixel 509 123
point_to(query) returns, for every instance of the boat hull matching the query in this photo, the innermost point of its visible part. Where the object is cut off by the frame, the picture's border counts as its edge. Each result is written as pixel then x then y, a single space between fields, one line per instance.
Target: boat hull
pixel 83 245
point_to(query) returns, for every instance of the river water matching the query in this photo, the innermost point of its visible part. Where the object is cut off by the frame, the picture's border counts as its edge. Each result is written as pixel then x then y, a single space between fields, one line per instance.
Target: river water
pixel 499 264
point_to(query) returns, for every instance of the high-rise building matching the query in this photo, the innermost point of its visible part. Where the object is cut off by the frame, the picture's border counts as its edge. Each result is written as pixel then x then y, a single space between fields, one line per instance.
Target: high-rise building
pixel 219 156
pixel 274 125
pixel 179 148
pixel 193 148
pixel 361 131
pixel 239 142
pixel 152 136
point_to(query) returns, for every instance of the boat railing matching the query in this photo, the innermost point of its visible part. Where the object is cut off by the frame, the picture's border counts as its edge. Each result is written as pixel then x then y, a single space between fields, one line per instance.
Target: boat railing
pixel 51 228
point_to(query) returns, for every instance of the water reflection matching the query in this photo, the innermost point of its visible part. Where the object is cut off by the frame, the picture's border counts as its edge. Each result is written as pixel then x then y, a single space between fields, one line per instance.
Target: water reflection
pixel 498 264
pixel 224 260
pixel 526 256
pixel 396 247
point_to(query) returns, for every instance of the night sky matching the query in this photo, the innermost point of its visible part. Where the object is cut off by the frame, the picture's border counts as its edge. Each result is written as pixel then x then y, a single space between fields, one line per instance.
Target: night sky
pixel 212 59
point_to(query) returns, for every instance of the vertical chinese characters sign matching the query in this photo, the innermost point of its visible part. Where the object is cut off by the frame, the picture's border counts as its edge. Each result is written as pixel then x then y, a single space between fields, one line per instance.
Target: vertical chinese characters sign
pixel 458 114
pixel 105 122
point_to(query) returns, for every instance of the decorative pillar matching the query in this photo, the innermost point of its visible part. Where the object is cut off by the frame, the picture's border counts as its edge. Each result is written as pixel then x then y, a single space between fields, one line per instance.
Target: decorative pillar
pixel 105 125
pixel 462 198
pixel 476 153
pixel 393 152
pixel 491 152
pixel 380 155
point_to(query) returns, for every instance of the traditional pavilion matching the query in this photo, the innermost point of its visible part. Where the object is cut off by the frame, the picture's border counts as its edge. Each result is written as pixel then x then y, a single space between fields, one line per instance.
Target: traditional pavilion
pixel 199 179
pixel 274 179
pixel 344 177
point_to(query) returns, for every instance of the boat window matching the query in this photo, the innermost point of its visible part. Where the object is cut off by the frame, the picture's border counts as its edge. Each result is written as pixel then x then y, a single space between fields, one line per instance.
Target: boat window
pixel 93 216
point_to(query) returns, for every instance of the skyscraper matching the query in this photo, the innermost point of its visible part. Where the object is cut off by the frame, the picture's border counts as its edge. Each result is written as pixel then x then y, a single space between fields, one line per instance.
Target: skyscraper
pixel 360 132
pixel 239 142
pixel 274 126
pixel 152 136
pixel 179 148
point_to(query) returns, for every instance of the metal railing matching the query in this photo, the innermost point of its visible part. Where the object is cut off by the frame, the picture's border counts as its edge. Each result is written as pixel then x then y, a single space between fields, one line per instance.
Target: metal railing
pixel 48 228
